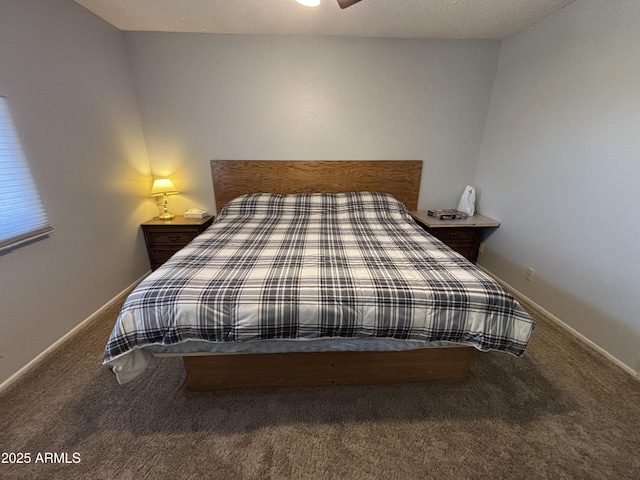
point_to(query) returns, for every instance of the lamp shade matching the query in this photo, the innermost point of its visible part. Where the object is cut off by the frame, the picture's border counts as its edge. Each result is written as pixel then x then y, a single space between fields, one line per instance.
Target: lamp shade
pixel 162 186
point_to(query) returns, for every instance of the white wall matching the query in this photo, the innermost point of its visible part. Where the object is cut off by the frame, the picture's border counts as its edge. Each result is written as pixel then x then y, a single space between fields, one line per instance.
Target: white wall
pixel 560 167
pixel 206 97
pixel 66 78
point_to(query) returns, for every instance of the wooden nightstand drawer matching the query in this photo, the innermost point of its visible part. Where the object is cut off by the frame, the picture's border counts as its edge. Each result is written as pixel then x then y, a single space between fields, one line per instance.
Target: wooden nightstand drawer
pixel 467 247
pixel 465 241
pixel 158 257
pixel 171 238
pixel 164 238
pixel 454 234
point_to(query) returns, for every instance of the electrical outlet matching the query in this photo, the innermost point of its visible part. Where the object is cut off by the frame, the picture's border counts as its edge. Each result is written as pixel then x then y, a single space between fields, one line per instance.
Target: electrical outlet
pixel 529 275
pixel 481 247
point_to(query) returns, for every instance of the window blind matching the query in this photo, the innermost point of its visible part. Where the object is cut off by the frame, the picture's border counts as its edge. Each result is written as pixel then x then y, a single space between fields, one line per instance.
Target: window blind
pixel 22 215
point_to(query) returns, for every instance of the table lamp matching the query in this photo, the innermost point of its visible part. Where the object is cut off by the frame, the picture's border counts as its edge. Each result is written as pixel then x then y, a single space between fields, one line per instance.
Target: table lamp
pixel 164 187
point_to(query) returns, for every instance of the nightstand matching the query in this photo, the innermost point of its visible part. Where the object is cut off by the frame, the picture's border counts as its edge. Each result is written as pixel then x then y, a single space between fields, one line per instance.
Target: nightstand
pixel 463 236
pixel 166 237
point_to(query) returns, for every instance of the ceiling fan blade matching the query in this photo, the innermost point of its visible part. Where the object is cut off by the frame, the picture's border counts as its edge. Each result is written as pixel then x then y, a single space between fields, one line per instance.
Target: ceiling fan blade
pixel 347 3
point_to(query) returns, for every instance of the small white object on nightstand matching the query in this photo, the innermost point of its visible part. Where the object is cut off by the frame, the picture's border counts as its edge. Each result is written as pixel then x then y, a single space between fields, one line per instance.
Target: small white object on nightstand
pixel 195 213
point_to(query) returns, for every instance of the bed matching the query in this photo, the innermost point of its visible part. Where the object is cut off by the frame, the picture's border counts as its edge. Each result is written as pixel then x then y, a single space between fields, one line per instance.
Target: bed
pixel 314 273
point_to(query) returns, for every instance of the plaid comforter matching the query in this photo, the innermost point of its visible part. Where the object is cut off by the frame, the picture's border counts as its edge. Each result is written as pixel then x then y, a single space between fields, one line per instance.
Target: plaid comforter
pixel 316 266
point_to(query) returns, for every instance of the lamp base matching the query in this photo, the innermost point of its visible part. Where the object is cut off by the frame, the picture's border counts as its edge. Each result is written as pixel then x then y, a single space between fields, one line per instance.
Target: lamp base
pixel 166 216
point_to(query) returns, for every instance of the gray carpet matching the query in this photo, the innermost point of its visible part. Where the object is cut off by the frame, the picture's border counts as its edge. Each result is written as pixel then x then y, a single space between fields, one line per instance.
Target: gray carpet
pixel 558 412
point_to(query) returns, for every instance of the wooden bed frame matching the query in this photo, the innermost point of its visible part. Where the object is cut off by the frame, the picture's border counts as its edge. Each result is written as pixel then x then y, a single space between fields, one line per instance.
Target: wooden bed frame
pixel 401 178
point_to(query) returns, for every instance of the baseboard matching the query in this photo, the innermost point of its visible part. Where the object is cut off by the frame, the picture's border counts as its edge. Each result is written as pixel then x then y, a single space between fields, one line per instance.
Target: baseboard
pixel 527 302
pixel 36 361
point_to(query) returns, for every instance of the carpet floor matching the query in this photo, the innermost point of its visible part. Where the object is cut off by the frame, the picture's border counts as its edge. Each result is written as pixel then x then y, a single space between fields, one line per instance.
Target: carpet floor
pixel 560 412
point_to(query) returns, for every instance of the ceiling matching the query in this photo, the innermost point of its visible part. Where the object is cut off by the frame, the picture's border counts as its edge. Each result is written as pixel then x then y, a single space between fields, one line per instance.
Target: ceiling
pixel 445 19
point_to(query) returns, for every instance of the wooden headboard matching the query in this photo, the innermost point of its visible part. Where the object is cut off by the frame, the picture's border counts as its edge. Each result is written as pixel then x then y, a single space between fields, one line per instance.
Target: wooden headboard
pixel 400 178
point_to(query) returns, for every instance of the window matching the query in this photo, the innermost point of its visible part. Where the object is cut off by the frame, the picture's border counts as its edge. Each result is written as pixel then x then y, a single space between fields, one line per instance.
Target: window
pixel 22 216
